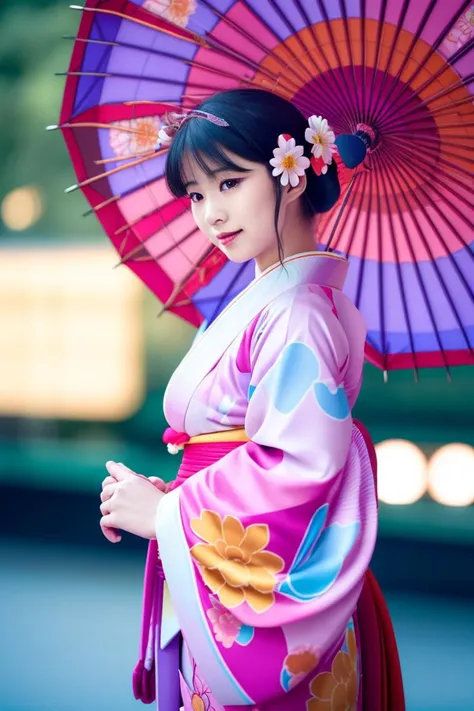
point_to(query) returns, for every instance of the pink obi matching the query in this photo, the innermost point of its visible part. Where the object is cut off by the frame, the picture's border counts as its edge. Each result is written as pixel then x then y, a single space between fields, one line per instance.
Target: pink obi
pixel 196 456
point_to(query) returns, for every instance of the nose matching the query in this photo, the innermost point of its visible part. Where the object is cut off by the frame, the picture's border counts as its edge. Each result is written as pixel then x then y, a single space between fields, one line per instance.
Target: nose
pixel 216 213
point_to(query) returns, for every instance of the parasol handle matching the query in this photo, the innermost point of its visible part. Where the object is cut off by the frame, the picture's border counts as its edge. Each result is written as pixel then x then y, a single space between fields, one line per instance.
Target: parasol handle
pixel 341 210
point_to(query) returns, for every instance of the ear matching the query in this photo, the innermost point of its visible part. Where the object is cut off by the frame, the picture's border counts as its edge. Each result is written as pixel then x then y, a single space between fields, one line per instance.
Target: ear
pixel 291 194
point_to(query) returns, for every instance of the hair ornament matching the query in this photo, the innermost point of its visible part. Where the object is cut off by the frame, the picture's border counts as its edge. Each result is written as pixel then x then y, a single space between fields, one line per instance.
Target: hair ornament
pixel 173 121
pixel 322 138
pixel 288 160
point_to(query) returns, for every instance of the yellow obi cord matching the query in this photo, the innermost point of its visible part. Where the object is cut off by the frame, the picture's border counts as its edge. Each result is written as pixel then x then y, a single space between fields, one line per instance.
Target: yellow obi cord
pixel 236 435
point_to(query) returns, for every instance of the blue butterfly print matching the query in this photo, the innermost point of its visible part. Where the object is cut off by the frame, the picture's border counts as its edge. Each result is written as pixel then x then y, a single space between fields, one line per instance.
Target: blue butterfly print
pixel 320 557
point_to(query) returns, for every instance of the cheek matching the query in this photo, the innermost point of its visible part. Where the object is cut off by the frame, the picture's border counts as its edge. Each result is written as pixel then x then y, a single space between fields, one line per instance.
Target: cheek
pixel 262 201
pixel 198 215
pixel 265 209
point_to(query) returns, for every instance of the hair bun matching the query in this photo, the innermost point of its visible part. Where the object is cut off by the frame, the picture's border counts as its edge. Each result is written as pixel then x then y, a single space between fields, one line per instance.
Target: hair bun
pixel 323 191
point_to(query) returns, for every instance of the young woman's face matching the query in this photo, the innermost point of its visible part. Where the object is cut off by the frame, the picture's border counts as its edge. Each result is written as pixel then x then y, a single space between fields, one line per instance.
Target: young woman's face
pixel 235 210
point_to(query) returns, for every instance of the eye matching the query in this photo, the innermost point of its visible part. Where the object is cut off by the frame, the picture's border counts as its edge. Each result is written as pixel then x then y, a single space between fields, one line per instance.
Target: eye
pixel 231 183
pixel 195 197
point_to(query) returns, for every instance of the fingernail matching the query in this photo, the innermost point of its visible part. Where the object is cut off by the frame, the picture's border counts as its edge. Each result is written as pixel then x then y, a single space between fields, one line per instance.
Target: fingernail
pixel 109 463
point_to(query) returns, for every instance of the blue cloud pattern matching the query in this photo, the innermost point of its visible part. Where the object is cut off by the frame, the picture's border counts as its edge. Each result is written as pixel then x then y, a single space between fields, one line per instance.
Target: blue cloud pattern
pixel 286 678
pixel 245 635
pixel 297 370
pixel 319 559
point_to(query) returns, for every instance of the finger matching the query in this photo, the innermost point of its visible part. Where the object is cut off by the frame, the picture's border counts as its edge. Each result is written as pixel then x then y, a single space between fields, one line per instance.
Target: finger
pixel 158 483
pixel 108 480
pixel 108 521
pixel 111 534
pixel 121 464
pixel 105 508
pixel 118 471
pixel 108 491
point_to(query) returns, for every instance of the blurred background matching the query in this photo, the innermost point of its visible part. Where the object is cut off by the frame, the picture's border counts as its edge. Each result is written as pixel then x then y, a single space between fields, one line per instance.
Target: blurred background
pixel 84 361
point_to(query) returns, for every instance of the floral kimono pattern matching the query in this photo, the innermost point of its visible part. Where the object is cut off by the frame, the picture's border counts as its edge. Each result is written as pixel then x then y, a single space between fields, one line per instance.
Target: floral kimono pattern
pixel 265 550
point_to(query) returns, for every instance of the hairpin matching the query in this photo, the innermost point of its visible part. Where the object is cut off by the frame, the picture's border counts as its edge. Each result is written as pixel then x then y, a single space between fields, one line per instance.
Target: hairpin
pixel 173 121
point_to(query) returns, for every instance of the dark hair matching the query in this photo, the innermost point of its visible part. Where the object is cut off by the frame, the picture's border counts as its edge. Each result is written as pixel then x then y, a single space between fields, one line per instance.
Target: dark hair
pixel 256 118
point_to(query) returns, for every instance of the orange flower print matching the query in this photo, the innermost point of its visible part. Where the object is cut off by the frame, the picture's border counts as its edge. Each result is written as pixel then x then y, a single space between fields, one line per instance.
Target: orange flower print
pixel 234 564
pixel 461 33
pixel 337 690
pixel 177 11
pixel 197 703
pixel 200 695
pixel 132 136
pixel 297 665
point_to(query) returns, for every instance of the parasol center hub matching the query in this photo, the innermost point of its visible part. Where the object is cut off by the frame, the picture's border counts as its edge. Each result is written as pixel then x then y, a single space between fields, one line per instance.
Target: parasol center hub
pixel 368 135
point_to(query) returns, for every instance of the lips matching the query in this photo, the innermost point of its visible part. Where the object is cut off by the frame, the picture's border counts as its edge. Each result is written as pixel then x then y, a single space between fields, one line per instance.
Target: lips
pixel 228 237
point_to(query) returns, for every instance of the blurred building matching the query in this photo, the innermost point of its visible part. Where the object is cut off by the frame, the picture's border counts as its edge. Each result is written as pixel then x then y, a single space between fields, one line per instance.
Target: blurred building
pixel 84 361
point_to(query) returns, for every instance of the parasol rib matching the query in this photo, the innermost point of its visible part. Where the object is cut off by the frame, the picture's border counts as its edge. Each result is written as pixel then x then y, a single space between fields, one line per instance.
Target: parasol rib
pixel 417 272
pixel 191 37
pixel 373 111
pixel 405 175
pixel 227 291
pixel 335 96
pixel 348 43
pixel 390 121
pixel 179 58
pixel 113 171
pixel 436 179
pixel 360 274
pixel 131 255
pixel 347 250
pixel 341 214
pixel 401 286
pixel 378 48
pixel 398 93
pixel 341 209
pixel 435 265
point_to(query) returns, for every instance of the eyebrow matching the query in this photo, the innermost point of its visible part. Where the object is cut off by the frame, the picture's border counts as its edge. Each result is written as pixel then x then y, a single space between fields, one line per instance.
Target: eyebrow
pixel 215 172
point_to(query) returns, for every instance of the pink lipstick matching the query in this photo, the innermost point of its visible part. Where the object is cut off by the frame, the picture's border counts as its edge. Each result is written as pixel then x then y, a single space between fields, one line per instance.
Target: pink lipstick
pixel 228 237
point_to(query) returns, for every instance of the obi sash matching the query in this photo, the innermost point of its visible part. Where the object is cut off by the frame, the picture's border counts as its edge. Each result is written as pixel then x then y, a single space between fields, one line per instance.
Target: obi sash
pixel 156 673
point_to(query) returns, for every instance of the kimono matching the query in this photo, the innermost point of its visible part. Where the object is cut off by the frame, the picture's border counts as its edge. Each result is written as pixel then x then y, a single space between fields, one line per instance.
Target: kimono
pixel 265 550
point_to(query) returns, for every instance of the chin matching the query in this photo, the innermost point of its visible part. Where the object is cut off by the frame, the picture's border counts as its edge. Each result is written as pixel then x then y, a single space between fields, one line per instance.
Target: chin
pixel 244 252
pixel 238 253
pixel 239 258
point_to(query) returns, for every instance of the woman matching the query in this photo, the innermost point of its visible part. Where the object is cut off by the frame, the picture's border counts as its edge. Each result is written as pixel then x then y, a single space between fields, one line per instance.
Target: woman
pixel 266 536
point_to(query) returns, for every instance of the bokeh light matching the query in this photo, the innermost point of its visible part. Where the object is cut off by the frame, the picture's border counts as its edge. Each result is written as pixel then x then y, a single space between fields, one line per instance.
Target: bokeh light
pixel 22 208
pixel 72 334
pixel 402 472
pixel 451 475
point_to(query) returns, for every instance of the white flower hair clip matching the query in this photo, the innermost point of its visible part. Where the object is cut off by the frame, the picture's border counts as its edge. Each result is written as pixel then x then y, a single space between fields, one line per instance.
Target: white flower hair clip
pixel 322 138
pixel 289 161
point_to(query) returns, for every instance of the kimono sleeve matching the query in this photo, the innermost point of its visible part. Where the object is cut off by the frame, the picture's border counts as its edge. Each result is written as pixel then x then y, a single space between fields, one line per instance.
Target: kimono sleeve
pixel 265 551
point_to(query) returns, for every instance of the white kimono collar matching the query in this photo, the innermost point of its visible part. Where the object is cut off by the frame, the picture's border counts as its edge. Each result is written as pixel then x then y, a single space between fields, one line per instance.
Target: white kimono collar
pixel 322 268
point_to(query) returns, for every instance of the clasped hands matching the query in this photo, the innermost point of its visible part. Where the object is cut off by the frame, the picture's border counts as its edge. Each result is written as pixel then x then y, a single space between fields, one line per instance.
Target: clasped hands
pixel 129 502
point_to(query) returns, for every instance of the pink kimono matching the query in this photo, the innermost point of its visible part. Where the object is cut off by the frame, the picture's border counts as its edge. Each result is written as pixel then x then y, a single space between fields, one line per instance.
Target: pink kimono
pixel 265 548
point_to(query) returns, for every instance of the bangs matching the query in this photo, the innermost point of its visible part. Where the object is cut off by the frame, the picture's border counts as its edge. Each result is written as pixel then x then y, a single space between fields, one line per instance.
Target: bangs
pixel 204 143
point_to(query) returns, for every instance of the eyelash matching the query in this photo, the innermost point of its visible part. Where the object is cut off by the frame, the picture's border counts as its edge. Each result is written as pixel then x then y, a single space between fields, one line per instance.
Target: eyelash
pixel 235 181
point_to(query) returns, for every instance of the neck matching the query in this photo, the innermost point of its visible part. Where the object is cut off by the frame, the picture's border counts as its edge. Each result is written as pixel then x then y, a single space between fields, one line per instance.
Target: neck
pixel 296 238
